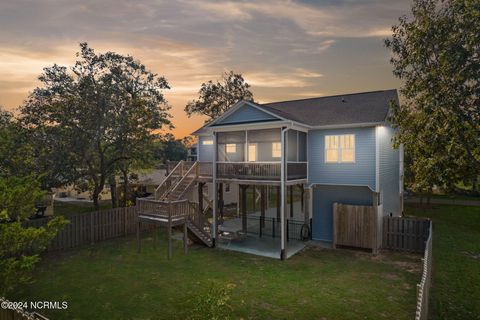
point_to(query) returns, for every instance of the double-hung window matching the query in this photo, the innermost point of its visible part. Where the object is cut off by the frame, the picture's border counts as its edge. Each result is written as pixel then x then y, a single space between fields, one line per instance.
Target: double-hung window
pixel 276 149
pixel 340 148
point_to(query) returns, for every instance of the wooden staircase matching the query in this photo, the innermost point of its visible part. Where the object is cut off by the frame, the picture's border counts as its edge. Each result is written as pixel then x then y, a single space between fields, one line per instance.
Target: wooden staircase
pixel 176 187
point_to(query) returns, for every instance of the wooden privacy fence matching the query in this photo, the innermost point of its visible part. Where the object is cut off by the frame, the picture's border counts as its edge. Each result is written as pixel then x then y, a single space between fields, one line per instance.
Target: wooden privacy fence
pixel 89 227
pixel 405 234
pixel 356 226
pixel 423 288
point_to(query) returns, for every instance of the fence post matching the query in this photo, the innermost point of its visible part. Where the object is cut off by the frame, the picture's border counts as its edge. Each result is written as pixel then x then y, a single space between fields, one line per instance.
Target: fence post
pixel 273 227
pixel 125 211
pixel 92 231
pixel 335 213
pixel 288 238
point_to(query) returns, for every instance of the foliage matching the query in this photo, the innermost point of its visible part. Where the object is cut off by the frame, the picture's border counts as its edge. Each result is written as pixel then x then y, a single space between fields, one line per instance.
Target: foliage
pixel 168 148
pixel 18 196
pixel 100 115
pixel 19 251
pixel 19 246
pixel 15 148
pixel 436 54
pixel 215 304
pixel 216 97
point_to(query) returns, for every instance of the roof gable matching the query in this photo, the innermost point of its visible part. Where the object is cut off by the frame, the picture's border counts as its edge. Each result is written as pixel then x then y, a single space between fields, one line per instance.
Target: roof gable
pixel 245 113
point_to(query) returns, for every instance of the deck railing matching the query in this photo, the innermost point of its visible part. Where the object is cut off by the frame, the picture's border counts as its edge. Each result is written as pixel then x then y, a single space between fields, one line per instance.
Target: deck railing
pixel 167 209
pixel 249 170
pixel 254 170
pixel 243 170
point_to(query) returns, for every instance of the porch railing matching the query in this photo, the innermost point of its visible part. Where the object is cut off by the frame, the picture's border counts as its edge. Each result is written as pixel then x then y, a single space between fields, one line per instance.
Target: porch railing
pixel 247 170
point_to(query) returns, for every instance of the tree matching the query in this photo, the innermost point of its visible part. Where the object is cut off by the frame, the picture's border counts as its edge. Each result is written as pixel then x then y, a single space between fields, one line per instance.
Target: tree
pixel 436 54
pixel 100 114
pixel 216 97
pixel 168 148
pixel 19 246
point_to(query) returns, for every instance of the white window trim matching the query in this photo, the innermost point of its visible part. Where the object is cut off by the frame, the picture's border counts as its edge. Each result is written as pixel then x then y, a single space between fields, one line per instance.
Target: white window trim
pixel 339 149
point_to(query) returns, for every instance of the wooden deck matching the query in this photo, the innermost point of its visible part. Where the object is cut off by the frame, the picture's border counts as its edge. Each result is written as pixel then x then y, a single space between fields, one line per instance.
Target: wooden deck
pixel 166 214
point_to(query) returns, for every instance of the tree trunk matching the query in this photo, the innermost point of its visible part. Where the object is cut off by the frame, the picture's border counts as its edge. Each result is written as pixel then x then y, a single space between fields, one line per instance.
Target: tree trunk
pixel 125 188
pixel 113 190
pixel 95 195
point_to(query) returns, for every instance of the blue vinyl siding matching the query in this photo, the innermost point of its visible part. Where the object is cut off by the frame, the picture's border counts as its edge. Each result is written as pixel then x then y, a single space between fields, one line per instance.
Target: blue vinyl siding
pixel 205 152
pixel 389 172
pixel 322 211
pixel 246 114
pixel 360 173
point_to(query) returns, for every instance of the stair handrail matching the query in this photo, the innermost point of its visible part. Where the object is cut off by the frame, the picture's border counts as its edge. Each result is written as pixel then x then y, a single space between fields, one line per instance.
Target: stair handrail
pixel 198 219
pixel 179 165
pixel 193 167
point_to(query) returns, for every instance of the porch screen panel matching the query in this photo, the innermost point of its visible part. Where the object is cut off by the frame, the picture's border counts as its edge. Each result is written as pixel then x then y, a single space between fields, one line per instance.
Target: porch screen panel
pixel 231 146
pixel 264 140
pixel 292 145
pixel 265 135
pixel 302 146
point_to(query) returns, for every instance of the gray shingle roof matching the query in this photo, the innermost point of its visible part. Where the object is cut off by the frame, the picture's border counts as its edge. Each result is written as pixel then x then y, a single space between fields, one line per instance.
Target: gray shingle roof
pixel 365 107
pixel 344 109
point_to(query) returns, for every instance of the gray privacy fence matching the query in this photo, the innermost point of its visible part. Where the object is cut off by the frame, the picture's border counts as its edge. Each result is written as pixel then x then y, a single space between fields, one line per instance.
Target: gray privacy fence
pixel 405 234
pixel 90 227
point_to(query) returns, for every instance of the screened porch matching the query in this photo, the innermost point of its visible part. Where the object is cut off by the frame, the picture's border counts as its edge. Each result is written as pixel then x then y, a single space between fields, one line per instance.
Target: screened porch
pixel 256 154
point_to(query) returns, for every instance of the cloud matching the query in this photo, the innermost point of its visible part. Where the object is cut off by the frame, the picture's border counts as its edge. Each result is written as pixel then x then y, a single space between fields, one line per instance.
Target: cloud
pixel 341 19
pixel 284 49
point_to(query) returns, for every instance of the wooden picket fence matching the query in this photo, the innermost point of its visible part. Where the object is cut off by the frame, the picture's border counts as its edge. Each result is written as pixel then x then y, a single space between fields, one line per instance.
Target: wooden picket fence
pixel 423 288
pixel 90 227
pixel 405 234
pixel 9 311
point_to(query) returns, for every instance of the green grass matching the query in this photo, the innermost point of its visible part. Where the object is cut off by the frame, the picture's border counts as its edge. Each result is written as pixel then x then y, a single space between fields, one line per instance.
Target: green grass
pixel 110 280
pixel 448 196
pixel 68 208
pixel 456 261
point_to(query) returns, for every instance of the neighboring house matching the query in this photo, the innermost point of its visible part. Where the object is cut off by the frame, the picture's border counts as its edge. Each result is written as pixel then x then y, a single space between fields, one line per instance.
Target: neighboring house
pixel 333 149
pixel 147 181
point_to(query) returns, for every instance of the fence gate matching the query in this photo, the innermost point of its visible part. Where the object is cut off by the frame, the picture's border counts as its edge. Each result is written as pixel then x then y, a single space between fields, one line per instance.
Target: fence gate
pixel 356 226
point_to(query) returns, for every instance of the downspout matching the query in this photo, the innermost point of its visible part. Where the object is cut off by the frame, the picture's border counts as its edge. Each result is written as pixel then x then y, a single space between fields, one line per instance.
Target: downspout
pixel 215 190
pixel 283 173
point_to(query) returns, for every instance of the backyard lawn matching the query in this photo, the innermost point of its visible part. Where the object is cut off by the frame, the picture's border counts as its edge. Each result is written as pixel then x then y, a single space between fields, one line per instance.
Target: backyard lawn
pixel 456 261
pixel 110 280
pixel 74 207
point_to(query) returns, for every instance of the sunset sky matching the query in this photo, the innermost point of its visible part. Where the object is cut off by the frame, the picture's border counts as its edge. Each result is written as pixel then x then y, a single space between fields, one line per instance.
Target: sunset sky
pixel 285 49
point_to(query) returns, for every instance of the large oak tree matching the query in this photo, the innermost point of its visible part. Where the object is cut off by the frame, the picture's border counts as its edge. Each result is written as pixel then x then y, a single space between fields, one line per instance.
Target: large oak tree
pixel 215 97
pixel 98 115
pixel 436 54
